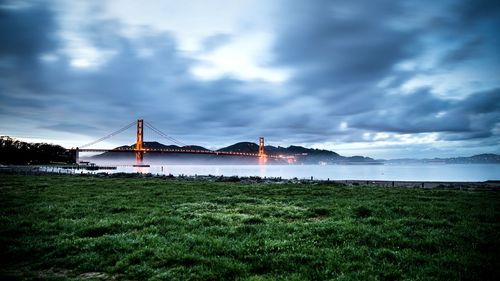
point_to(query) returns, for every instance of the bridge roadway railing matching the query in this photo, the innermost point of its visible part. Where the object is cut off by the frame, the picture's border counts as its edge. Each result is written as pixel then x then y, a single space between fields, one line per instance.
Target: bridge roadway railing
pixel 173 150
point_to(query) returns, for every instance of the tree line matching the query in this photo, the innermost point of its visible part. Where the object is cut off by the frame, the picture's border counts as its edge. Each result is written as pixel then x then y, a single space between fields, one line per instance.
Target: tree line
pixel 18 152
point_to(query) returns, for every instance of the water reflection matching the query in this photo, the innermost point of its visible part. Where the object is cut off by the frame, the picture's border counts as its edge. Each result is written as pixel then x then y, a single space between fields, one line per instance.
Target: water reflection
pixel 262 171
pixel 421 172
pixel 141 170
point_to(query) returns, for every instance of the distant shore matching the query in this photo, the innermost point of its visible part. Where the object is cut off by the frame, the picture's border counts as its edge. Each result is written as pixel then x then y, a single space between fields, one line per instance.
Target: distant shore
pixel 463 185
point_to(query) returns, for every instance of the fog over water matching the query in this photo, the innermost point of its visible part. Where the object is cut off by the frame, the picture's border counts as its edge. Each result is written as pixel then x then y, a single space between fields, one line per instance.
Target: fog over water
pixel 400 172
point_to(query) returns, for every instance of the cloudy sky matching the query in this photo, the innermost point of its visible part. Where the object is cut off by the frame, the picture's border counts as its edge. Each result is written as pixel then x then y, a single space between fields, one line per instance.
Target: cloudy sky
pixel 384 79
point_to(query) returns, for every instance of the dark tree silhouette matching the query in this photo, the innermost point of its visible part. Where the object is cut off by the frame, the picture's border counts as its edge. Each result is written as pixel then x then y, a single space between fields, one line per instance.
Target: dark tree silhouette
pixel 14 151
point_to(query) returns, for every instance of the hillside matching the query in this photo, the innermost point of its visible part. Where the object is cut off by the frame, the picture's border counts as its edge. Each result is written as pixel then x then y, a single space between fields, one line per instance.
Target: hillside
pixel 485 158
pixel 303 155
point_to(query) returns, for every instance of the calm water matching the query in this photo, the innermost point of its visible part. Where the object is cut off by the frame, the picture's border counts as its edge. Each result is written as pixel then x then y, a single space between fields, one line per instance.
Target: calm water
pixel 415 172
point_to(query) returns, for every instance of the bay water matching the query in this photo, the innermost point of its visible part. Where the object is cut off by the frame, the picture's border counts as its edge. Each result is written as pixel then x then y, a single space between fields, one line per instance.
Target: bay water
pixel 389 172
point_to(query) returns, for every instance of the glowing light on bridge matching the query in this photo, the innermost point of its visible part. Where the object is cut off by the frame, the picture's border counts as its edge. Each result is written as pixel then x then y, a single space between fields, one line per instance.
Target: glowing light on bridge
pixel 139 148
pixel 262 152
pixel 139 144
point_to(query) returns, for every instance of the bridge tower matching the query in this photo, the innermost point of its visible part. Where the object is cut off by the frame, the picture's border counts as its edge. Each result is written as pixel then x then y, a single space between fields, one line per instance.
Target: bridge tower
pixel 139 144
pixel 262 152
pixel 75 155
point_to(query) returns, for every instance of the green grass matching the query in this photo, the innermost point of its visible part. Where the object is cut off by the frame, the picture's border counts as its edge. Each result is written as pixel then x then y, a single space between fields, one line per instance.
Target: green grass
pixel 89 228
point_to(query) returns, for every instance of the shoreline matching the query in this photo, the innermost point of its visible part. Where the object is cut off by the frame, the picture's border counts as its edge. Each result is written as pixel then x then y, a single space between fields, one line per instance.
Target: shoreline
pixel 461 185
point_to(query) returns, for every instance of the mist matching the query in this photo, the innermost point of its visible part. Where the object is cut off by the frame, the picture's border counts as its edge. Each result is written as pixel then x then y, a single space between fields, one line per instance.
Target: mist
pixel 128 159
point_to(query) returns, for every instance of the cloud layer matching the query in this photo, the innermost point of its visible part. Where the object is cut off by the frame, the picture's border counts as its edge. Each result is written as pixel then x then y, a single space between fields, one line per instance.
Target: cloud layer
pixel 387 74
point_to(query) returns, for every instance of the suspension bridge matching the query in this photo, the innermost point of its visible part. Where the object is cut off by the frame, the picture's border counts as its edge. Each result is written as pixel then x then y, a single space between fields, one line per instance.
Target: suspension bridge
pixel 140 149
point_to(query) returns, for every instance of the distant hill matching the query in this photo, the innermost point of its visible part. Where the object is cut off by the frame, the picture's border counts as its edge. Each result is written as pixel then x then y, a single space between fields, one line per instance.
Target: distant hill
pixel 486 158
pixel 157 145
pixel 150 145
pixel 480 158
pixel 302 154
pixel 246 147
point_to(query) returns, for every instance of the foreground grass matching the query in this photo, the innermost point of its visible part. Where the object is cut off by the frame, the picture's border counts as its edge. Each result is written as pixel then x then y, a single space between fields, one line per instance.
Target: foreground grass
pixel 63 227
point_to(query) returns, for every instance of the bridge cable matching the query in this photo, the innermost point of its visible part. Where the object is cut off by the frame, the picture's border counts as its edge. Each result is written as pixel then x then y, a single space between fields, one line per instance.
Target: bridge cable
pixel 110 135
pixel 164 135
pixel 149 125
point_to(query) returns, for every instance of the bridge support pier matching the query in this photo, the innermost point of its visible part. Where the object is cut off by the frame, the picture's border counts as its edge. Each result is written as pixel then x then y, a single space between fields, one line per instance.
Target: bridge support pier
pixel 139 148
pixel 262 152
pixel 74 154
pixel 139 144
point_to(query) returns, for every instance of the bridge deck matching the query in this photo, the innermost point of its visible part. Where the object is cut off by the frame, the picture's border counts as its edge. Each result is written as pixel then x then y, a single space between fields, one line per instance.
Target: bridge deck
pixel 191 151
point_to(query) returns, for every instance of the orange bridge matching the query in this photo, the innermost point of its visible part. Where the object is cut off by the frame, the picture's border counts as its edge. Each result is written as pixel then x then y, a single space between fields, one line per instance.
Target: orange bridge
pixel 140 149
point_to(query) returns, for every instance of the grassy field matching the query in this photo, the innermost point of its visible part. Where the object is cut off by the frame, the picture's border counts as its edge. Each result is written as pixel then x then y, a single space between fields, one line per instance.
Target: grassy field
pixel 88 228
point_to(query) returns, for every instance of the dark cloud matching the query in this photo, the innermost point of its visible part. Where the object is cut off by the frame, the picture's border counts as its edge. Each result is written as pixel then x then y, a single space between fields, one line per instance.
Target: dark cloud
pixel 69 127
pixel 468 50
pixel 144 77
pixel 422 112
pixel 478 10
pixel 471 26
pixel 342 51
pixel 344 56
pixel 481 103
pixel 342 44
pixel 26 32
